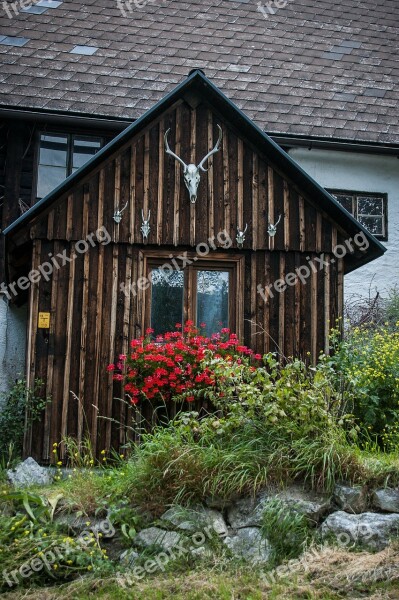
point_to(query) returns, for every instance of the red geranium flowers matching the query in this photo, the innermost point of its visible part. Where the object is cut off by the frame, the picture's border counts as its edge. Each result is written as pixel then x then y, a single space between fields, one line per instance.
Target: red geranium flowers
pixel 173 365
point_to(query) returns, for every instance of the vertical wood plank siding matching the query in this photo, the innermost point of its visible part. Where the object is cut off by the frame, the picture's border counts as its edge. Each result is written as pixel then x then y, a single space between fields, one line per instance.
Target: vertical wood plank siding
pixel 93 319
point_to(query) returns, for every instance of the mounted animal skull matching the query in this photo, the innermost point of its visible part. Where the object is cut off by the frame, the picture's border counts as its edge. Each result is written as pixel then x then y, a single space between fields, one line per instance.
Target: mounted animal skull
pixel 191 173
pixel 145 227
pixel 240 237
pixel 272 229
pixel 118 214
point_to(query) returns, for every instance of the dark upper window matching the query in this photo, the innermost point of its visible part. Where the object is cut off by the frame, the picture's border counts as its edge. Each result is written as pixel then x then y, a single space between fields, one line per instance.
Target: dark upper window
pixel 368 208
pixel 60 155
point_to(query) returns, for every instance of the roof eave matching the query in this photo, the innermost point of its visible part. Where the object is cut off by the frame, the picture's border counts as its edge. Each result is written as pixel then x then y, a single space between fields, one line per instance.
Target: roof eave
pixel 253 133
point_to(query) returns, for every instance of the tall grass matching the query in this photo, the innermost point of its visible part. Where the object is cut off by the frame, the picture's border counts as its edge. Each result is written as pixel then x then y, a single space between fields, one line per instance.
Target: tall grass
pixel 172 466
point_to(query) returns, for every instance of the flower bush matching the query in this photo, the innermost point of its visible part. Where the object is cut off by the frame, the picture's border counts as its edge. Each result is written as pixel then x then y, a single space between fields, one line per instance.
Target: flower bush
pixel 174 365
pixel 366 366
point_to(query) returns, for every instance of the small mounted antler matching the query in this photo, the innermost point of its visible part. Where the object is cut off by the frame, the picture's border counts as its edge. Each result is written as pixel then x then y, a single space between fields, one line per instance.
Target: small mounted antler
pixel 191 172
pixel 240 238
pixel 145 227
pixel 118 214
pixel 272 229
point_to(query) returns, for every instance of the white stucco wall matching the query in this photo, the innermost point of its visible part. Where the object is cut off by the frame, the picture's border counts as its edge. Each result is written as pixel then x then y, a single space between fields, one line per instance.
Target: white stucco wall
pixel 364 173
pixel 12 344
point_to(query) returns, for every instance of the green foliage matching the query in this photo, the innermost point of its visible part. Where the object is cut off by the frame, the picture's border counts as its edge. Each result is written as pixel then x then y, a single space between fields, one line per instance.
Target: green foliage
pixel 292 396
pixel 391 308
pixel 287 530
pixel 271 425
pixel 22 407
pixel 366 369
pixel 28 532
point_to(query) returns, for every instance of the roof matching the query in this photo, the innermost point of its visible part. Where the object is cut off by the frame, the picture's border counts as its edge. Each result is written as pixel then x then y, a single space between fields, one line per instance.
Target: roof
pixel 199 84
pixel 314 67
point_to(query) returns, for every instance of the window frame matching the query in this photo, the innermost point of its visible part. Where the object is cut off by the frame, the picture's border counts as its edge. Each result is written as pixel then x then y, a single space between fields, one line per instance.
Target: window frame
pixel 354 212
pixel 70 135
pixel 233 263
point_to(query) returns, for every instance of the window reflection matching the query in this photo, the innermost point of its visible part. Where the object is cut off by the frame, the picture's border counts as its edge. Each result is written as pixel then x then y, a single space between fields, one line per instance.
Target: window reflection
pixel 61 155
pixel 213 300
pixel 166 300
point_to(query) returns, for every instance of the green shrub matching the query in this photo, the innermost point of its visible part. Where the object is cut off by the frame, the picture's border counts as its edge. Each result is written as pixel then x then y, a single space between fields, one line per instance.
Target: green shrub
pixel 271 425
pixel 366 368
pixel 22 407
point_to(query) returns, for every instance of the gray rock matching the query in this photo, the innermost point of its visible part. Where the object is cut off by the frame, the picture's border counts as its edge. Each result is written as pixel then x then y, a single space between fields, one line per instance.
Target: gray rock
pixel 370 530
pixel 29 473
pixel 246 512
pixel 386 500
pixel 311 505
pixel 350 499
pixel 128 558
pixel 195 519
pixel 218 503
pixel 248 544
pixel 154 536
pixel 78 525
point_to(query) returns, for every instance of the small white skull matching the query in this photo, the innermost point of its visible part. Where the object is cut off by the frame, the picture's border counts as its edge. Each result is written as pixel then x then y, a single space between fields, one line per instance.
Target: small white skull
pixel 145 227
pixel 240 237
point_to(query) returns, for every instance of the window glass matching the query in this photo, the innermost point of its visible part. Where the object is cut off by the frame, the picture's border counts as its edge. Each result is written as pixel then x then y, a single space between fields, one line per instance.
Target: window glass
pixel 369 210
pixel 83 150
pixel 369 206
pixel 373 224
pixel 166 300
pixel 59 156
pixel 345 201
pixel 48 179
pixel 213 300
pixel 370 214
pixel 53 150
pixel 52 163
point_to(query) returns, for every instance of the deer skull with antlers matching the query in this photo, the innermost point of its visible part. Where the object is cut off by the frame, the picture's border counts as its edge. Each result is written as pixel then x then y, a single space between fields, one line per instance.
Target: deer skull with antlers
pixel 240 237
pixel 191 173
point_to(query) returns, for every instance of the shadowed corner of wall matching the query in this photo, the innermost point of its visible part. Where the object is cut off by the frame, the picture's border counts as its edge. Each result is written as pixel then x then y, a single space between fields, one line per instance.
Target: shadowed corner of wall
pixel 13 322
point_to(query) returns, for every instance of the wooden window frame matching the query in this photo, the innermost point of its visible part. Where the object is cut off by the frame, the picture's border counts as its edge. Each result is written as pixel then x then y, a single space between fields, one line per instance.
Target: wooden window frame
pixel 355 197
pixel 234 263
pixel 70 135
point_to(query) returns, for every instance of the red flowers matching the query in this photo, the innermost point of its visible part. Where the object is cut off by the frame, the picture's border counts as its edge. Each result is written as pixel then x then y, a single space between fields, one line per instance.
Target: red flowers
pixel 175 363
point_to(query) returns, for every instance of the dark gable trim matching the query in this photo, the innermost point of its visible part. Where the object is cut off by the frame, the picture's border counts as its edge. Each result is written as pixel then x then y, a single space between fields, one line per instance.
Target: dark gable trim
pixel 197 82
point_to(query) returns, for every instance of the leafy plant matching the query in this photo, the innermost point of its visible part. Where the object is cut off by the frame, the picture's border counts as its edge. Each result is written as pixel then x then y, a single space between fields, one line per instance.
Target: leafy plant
pixel 22 407
pixel 172 365
pixel 366 369
pixel 30 536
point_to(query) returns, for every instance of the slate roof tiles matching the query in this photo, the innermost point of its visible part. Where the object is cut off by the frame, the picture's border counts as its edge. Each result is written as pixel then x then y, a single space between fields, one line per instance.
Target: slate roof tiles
pixel 315 67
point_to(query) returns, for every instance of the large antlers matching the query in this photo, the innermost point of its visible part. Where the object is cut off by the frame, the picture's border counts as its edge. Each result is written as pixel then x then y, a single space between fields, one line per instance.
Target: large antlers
pixel 191 172
pixel 215 149
pixel 169 151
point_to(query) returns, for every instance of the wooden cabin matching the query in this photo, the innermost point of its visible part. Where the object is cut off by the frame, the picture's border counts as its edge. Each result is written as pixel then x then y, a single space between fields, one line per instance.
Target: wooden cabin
pixel 234 257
